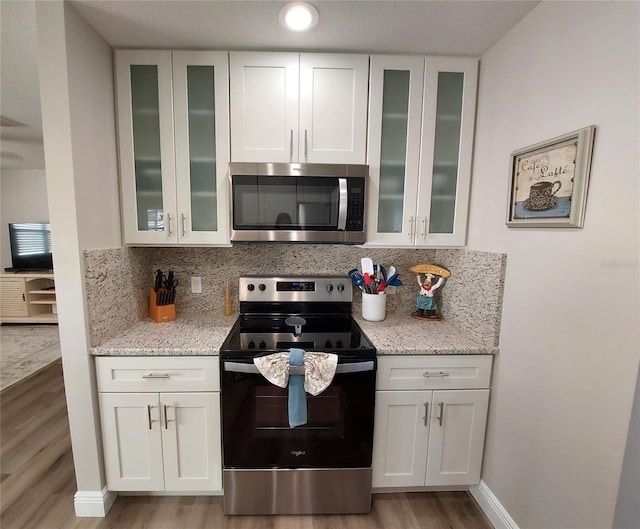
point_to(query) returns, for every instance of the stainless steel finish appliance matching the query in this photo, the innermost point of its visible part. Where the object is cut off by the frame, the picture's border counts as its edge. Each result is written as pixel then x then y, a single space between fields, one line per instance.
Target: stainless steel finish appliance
pixel 323 466
pixel 298 202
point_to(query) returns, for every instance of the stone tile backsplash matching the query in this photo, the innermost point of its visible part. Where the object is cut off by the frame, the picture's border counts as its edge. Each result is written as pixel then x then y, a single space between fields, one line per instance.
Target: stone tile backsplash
pixel 116 289
pixel 118 280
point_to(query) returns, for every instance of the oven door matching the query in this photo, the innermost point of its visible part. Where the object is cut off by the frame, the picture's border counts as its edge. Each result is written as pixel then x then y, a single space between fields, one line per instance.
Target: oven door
pixel 339 429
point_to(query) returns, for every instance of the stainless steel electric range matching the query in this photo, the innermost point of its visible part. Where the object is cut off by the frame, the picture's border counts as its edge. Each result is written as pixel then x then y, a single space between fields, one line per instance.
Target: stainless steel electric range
pixel 323 466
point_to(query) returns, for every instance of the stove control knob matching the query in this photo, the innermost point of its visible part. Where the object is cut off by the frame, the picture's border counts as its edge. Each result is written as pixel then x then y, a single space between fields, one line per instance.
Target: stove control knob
pixel 250 287
pixel 329 288
pixel 327 344
pixel 339 344
pixel 251 344
pixel 262 287
pixel 340 287
pixel 262 345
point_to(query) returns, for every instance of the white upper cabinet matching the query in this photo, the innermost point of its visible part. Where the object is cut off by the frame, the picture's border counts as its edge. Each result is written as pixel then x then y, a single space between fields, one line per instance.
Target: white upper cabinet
pixel 395 117
pixel 449 110
pixel 421 123
pixel 173 121
pixel 290 107
pixel 333 108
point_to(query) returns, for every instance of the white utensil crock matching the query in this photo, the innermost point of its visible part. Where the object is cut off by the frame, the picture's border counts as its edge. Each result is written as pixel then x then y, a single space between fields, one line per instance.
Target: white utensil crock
pixel 374 306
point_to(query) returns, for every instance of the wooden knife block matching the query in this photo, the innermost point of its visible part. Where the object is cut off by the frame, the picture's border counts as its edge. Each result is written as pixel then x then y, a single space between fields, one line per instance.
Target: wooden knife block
pixel 160 313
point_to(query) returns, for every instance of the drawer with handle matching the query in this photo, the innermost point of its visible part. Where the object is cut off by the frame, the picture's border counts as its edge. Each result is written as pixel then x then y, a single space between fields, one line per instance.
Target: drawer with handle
pixel 434 372
pixel 157 373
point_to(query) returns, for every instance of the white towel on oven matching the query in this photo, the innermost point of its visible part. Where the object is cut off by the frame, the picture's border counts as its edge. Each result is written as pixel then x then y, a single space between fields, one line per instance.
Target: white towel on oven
pixel 319 370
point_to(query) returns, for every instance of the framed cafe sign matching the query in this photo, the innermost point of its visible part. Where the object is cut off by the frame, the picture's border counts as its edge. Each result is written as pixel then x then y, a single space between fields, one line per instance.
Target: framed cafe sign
pixel 549 181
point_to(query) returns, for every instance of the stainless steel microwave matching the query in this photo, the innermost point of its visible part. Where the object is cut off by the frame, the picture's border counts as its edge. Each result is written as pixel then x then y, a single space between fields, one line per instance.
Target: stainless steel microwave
pixel 298 202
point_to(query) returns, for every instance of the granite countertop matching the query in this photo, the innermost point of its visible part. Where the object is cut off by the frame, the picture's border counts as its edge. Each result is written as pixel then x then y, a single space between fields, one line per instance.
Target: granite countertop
pixel 399 334
pixel 204 333
pixel 188 335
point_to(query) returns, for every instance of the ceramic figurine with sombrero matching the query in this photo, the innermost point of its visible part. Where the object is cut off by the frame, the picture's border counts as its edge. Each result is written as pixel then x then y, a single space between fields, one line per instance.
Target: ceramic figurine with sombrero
pixel 426 306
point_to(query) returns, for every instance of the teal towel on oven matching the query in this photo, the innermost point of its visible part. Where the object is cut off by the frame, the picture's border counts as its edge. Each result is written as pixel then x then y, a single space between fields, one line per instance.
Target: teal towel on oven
pixel 297 397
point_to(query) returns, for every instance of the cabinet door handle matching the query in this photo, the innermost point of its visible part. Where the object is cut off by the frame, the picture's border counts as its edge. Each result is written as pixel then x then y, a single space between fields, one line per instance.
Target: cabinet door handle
pixel 440 412
pixel 24 298
pixel 439 374
pixel 410 227
pixel 183 219
pixel 169 224
pixel 306 145
pixel 156 375
pixel 426 412
pixel 166 417
pixel 149 416
pixel 424 227
pixel 291 145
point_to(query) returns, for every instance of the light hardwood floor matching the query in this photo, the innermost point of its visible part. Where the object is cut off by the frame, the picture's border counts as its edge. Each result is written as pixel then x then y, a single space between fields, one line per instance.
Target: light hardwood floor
pixel 38 483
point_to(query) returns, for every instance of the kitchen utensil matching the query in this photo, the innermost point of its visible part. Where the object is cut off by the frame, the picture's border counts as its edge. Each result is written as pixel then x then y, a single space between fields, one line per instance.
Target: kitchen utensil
pixel 159 280
pixel 394 281
pixel 367 265
pixel 160 310
pixel 170 282
pixel 377 273
pixel 356 277
pixel 165 288
pixel 228 306
pixel 367 282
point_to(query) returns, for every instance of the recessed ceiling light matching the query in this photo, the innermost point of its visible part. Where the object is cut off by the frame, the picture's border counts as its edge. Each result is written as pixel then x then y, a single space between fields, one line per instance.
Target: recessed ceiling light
pixel 298 16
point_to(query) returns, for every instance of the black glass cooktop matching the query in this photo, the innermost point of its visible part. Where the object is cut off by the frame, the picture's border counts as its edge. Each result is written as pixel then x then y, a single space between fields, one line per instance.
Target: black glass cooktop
pixel 262 334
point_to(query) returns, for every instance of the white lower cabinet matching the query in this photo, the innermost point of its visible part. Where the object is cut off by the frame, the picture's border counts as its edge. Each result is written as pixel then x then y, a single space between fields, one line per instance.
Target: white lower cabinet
pixel 166 440
pixel 428 431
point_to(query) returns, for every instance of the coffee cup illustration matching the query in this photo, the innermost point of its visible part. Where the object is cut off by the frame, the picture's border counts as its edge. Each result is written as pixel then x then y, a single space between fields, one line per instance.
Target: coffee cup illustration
pixel 542 195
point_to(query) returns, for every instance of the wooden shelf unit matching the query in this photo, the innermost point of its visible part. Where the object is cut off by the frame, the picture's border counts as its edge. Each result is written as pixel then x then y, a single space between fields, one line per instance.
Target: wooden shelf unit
pixel 28 297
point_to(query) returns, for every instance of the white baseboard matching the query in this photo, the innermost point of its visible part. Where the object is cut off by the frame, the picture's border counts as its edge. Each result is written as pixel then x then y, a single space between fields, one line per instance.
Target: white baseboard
pixel 93 503
pixel 492 507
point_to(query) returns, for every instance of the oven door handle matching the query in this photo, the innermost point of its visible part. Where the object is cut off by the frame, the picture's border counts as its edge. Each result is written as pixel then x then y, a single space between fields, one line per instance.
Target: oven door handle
pixel 356 367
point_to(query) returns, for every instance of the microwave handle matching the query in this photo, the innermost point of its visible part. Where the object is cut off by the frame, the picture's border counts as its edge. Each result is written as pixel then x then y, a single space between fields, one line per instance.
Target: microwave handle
pixel 342 203
pixel 356 367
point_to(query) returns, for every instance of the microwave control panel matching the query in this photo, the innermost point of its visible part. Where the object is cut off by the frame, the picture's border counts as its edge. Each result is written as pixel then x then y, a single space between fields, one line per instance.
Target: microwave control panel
pixel 355 204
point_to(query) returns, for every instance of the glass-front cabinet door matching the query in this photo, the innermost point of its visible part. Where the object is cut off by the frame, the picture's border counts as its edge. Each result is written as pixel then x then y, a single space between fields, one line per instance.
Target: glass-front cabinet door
pixel 395 115
pixel 201 114
pixel 421 121
pixel 173 117
pixel 145 134
pixel 446 152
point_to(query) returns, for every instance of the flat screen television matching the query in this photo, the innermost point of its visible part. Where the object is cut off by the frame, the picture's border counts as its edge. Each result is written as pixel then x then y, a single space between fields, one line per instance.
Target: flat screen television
pixel 30 247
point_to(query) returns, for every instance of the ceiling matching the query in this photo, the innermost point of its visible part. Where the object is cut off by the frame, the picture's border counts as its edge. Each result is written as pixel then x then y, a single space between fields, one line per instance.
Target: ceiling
pixel 21 147
pixel 430 27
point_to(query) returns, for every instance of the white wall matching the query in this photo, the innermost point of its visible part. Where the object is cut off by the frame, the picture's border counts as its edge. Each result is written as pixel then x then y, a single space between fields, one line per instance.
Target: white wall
pixel 80 154
pixel 23 198
pixel 569 346
pixel 95 163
